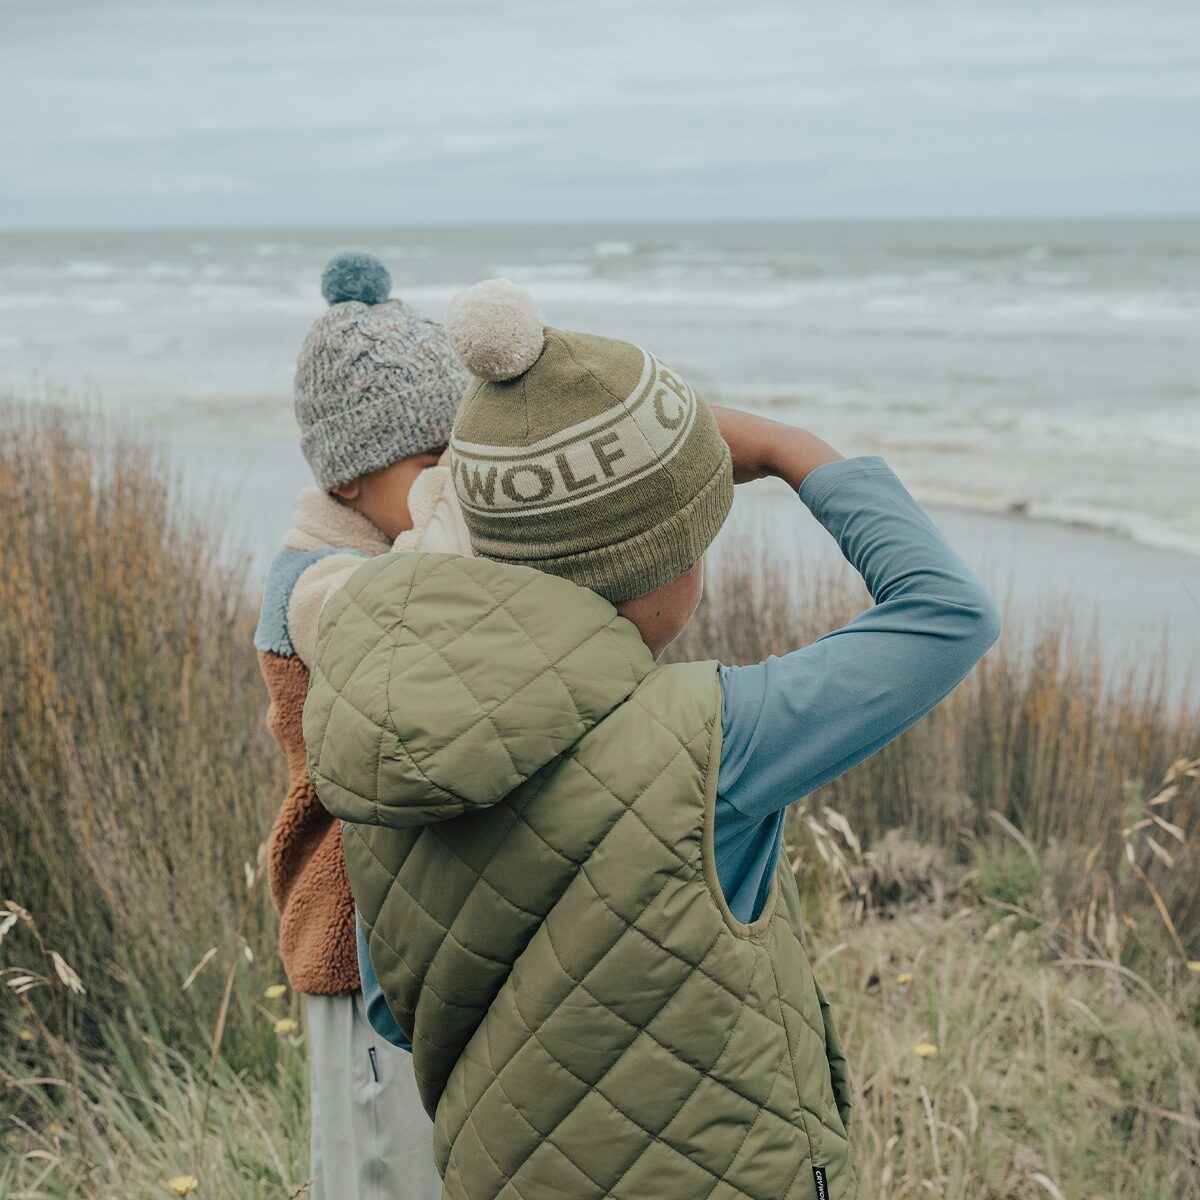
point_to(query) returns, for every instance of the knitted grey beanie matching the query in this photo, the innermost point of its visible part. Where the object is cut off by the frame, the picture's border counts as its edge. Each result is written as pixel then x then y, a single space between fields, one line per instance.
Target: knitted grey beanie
pixel 375 381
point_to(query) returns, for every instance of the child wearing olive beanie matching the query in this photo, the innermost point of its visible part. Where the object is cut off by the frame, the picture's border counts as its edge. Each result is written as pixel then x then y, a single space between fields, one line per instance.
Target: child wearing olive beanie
pixel 566 855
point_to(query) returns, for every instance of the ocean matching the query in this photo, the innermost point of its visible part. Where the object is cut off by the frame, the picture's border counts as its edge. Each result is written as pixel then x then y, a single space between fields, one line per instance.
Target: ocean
pixel 1045 368
pixel 1036 383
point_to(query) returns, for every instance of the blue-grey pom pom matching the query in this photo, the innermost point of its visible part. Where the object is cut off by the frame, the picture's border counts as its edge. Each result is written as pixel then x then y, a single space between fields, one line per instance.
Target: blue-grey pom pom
pixel 355 275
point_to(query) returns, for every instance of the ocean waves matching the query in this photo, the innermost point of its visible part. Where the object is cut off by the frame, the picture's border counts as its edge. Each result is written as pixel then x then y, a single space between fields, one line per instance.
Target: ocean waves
pixel 1050 369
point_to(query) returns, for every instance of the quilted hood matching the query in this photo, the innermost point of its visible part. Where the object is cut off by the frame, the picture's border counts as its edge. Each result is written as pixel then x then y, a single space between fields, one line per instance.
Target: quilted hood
pixel 441 683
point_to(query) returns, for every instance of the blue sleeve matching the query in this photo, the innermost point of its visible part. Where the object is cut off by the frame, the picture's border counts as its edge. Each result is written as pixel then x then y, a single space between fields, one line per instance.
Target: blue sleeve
pixel 795 722
pixel 288 565
pixel 378 1013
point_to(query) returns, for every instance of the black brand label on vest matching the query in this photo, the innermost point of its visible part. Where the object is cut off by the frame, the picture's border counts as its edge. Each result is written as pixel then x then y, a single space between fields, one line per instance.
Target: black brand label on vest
pixel 822 1183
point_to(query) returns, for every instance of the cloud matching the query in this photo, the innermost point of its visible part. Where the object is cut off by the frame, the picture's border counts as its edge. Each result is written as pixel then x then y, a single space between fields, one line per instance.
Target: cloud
pixel 271 112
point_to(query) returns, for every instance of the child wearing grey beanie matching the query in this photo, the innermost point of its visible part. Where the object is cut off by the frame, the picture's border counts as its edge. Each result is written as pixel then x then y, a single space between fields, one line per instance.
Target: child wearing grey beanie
pixel 375 381
pixel 376 391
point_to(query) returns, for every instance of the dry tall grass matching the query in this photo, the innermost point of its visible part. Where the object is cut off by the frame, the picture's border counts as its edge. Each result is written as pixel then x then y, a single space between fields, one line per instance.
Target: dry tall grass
pixel 997 888
pixel 987 1066
pixel 137 777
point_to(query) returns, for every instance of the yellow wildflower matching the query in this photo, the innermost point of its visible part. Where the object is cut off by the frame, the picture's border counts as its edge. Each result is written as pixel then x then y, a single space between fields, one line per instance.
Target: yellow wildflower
pixel 286 1025
pixel 1194 965
pixel 904 977
pixel 925 1049
pixel 25 1035
pixel 276 991
pixel 181 1185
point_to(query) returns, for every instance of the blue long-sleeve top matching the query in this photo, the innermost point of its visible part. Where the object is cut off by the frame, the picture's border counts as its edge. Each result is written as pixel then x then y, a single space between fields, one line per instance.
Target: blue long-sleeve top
pixel 795 722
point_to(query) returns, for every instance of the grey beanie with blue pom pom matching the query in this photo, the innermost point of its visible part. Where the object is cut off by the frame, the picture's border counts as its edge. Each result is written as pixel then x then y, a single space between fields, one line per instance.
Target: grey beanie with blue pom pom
pixel 375 382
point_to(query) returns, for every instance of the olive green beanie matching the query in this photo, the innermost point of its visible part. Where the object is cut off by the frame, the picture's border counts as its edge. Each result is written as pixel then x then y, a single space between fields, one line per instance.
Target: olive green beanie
pixel 579 455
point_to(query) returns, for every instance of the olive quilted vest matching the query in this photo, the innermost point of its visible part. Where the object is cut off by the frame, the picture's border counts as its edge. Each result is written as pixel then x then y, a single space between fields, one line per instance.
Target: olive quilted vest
pixel 528 804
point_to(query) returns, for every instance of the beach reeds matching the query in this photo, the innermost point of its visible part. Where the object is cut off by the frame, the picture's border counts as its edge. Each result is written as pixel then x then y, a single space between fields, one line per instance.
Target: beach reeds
pixel 1004 904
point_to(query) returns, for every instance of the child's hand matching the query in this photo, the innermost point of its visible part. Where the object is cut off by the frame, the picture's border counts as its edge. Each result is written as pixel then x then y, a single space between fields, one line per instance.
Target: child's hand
pixel 761 447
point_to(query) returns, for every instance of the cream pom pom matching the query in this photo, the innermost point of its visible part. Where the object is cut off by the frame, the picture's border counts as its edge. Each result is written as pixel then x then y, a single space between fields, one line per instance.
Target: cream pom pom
pixel 496 329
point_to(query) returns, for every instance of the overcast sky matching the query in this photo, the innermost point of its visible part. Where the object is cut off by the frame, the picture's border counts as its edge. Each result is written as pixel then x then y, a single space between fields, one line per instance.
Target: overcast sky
pixel 281 112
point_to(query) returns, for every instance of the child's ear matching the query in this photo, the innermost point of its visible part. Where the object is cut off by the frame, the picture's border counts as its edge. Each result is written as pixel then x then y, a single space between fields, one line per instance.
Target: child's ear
pixel 347 491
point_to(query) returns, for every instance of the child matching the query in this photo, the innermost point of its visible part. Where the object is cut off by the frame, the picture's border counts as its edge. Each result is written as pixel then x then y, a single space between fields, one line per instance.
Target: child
pixel 567 858
pixel 376 391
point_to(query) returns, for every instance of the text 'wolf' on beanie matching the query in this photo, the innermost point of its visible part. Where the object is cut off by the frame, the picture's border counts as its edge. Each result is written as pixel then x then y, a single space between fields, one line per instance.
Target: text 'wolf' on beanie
pixel 375 382
pixel 580 455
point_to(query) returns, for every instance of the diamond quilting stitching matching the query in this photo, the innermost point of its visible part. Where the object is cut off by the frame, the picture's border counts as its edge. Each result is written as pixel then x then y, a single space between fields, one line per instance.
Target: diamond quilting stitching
pixel 445 748
pixel 763 1110
pixel 533 1034
pixel 394 884
pixel 631 806
pixel 432 648
pixel 699 968
pixel 436 648
pixel 444 949
pixel 702 1073
pixel 492 889
pixel 650 1134
pixel 819 1034
pixel 533 641
pixel 805 1109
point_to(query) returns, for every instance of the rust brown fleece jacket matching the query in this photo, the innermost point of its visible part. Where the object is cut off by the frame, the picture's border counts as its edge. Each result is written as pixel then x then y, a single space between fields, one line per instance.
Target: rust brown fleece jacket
pixel 306 867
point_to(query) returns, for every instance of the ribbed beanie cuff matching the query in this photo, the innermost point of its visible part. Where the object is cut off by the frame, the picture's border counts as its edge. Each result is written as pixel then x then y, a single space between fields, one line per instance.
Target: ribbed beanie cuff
pixel 370 436
pixel 647 560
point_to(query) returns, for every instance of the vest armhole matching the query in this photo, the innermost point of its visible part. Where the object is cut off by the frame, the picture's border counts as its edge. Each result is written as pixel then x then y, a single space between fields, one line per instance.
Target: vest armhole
pixel 757 929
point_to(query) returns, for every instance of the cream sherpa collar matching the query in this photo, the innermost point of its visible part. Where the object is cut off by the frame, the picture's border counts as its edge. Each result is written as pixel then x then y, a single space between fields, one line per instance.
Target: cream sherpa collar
pixel 321 520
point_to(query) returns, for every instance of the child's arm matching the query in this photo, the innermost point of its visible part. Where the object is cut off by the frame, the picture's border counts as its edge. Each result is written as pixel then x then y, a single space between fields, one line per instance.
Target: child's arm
pixel 794 723
pixel 761 447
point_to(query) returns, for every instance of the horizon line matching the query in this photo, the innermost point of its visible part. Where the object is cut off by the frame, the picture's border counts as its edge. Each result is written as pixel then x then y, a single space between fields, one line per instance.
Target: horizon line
pixel 610 223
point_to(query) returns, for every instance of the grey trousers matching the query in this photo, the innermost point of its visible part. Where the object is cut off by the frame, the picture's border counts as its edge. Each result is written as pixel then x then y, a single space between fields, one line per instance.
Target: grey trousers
pixel 371 1139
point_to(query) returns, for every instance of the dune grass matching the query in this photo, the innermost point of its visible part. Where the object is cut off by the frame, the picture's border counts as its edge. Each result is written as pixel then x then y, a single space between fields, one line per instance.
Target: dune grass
pixel 126 1121
pixel 1011 886
pixel 138 777
pixel 1044 1076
